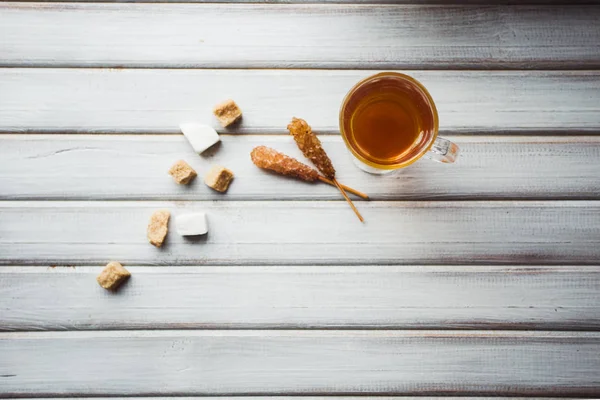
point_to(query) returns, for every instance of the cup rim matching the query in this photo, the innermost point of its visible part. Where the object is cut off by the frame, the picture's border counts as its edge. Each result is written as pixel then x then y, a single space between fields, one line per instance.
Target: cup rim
pixel 413 82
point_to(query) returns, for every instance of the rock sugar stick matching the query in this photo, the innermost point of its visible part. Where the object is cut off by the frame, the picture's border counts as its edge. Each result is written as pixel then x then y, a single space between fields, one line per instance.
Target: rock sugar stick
pixel 310 145
pixel 268 158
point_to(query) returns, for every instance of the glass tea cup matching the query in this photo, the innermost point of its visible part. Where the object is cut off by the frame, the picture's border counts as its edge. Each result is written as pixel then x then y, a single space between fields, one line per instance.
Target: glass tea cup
pixel 389 121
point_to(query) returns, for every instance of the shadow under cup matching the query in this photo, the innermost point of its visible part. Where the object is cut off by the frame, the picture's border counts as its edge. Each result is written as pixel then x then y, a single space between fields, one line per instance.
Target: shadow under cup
pixel 390 98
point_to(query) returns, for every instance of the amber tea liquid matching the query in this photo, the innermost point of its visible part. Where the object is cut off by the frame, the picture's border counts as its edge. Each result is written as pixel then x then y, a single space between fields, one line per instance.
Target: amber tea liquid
pixel 387 120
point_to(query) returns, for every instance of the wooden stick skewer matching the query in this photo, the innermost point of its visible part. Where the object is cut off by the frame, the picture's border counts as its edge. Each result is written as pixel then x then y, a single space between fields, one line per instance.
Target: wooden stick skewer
pixel 348 200
pixel 346 188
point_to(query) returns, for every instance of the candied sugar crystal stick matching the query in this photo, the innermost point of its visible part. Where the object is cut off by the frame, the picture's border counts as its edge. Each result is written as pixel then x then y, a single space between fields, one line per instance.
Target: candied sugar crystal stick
pixel 267 158
pixel 310 145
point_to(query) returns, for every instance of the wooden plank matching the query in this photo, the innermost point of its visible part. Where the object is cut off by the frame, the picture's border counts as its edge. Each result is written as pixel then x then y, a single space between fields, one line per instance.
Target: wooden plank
pixel 351 2
pixel 407 297
pixel 316 398
pixel 299 36
pixel 241 233
pixel 92 167
pixel 157 101
pixel 299 362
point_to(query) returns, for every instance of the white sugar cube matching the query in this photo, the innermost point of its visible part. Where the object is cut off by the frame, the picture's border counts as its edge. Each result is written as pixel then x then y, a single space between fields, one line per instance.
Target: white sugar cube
pixel 200 136
pixel 191 224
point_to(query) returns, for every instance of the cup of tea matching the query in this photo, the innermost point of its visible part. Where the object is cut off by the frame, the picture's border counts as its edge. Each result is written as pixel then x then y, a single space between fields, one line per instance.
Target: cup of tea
pixel 389 121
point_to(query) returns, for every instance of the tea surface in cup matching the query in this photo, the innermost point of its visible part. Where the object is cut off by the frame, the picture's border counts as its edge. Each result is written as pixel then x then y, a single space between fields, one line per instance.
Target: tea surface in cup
pixel 386 120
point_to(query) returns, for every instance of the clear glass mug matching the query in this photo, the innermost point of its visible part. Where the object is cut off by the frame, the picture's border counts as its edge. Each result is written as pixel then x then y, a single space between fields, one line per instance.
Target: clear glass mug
pixel 426 143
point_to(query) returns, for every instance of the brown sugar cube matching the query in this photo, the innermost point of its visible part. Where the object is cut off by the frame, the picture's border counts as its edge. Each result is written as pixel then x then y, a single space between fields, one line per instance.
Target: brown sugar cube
pixel 182 172
pixel 218 178
pixel 112 276
pixel 157 227
pixel 227 112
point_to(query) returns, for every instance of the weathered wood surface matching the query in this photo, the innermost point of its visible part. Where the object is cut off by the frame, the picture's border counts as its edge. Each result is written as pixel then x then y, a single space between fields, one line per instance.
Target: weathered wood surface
pixel 281 232
pixel 157 101
pixel 304 35
pixel 299 362
pixel 280 297
pixel 361 397
pixel 92 167
pixel 521 266
pixel 349 2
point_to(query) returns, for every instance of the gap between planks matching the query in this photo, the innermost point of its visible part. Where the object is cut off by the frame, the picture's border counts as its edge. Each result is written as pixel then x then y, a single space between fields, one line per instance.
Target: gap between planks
pixel 307 397
pixel 542 336
pixel 304 396
pixel 311 396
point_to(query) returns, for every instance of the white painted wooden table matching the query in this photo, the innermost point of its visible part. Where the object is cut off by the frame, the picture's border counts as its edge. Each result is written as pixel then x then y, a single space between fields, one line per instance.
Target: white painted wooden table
pixel 480 278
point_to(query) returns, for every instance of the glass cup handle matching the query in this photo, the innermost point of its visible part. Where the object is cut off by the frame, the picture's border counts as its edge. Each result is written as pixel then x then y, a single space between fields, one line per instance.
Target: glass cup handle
pixel 443 151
